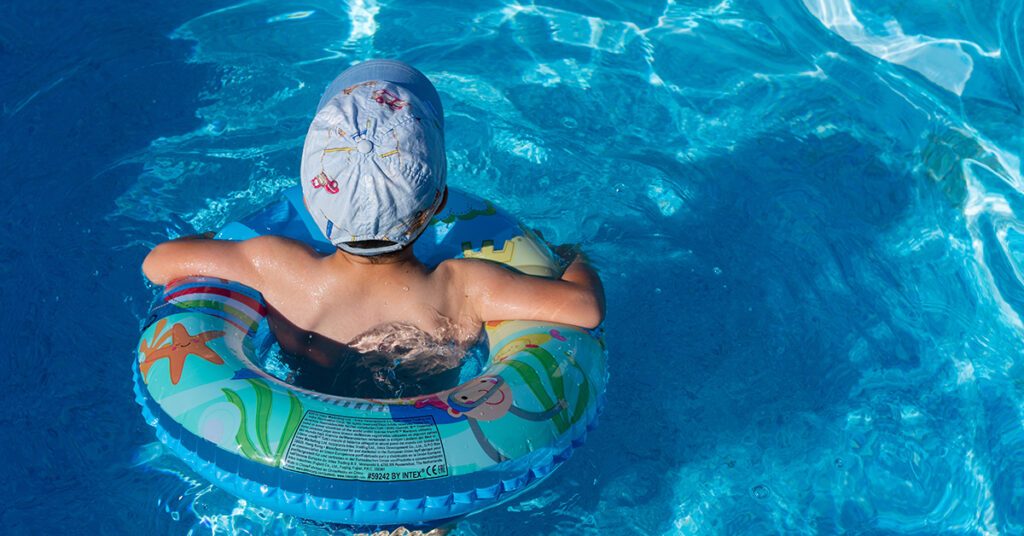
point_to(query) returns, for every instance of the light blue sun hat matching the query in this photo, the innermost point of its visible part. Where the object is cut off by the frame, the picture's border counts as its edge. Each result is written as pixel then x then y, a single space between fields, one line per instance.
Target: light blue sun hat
pixel 373 163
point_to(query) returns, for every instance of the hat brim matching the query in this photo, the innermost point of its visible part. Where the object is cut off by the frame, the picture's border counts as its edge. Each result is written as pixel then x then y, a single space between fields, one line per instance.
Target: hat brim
pixel 393 71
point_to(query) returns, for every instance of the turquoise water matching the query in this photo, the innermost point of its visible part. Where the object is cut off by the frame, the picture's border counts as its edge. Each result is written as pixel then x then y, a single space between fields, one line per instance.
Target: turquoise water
pixel 804 214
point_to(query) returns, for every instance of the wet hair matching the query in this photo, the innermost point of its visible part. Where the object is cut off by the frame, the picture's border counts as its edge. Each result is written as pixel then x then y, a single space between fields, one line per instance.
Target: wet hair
pixel 422 217
pixel 380 258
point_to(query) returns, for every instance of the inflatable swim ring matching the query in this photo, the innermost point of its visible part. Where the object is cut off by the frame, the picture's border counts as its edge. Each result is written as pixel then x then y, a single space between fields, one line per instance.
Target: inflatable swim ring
pixel 361 461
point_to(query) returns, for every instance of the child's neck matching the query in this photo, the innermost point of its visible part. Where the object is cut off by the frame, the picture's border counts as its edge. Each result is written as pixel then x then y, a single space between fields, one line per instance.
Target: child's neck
pixel 402 259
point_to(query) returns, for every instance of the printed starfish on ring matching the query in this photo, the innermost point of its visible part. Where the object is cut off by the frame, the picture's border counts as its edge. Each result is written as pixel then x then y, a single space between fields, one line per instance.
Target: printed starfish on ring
pixel 183 344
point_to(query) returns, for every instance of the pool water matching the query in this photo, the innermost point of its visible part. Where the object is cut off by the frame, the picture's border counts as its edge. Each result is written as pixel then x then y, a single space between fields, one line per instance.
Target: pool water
pixel 431 367
pixel 804 214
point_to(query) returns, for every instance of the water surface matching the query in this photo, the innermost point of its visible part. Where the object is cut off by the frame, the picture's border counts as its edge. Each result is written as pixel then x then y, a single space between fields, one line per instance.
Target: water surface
pixel 804 214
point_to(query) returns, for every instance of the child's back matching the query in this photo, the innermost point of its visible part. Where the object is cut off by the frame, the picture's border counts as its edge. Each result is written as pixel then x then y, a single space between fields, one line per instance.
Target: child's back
pixel 317 300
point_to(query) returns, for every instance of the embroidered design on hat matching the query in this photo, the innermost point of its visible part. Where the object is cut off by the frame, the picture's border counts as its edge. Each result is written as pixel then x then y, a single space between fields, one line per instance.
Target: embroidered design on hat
pixel 361 133
pixel 323 181
pixel 350 89
pixel 396 151
pixel 419 220
pixel 389 99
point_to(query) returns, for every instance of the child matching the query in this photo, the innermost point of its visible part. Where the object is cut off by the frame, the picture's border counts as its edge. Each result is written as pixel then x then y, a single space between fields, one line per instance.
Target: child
pixel 373 174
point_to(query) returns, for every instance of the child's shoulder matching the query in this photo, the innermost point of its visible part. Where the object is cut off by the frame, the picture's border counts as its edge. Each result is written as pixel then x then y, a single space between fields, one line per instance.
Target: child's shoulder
pixel 280 247
pixel 468 265
pixel 495 291
pixel 276 243
pixel 478 273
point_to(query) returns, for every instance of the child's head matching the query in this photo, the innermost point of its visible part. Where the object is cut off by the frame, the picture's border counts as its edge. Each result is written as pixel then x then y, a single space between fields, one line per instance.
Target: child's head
pixel 373 165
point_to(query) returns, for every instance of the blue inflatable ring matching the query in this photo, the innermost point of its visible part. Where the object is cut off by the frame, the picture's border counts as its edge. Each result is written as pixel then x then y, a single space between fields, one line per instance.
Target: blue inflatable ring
pixel 363 461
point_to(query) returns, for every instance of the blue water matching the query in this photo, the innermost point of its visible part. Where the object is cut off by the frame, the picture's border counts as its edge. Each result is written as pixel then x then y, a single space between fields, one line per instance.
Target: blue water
pixel 804 214
pixel 431 369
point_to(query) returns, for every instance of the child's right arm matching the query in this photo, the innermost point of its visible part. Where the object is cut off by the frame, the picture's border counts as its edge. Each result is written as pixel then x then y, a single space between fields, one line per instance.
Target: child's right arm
pixel 495 292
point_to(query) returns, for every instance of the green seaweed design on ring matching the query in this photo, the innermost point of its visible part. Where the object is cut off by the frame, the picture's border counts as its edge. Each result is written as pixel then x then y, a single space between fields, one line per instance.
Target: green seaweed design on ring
pixel 261 451
pixel 562 419
pixel 488 210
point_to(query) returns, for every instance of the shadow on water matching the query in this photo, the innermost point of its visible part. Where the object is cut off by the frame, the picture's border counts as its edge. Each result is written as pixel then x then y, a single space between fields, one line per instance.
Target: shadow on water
pixel 809 344
pixel 74 100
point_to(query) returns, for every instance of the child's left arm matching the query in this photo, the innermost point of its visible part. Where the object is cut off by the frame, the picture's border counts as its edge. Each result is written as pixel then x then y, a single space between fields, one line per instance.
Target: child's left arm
pixel 243 261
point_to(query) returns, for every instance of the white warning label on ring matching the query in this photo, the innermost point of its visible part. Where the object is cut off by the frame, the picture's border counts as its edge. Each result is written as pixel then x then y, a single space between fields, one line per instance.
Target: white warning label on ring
pixel 368 449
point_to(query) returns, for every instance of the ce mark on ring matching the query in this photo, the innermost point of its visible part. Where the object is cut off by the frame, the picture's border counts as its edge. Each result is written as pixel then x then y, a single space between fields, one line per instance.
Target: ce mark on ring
pixel 435 470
